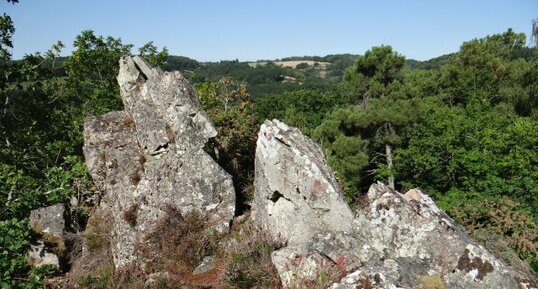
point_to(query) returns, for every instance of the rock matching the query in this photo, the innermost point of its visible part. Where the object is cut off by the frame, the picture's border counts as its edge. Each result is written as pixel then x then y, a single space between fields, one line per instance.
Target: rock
pixel 149 158
pixel 40 255
pixel 49 224
pixel 157 280
pixel 393 241
pixel 296 194
pixel 413 244
pixel 207 265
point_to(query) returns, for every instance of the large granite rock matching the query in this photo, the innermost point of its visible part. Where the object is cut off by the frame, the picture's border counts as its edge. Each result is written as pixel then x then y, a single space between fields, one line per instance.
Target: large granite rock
pixel 149 158
pixel 408 242
pixel 296 193
pixel 393 240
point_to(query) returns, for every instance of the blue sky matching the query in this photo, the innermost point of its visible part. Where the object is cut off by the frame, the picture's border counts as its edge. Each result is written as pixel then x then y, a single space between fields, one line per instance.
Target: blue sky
pixel 255 29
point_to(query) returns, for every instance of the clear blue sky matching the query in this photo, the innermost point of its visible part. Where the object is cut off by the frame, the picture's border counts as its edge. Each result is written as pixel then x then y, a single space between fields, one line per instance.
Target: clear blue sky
pixel 255 29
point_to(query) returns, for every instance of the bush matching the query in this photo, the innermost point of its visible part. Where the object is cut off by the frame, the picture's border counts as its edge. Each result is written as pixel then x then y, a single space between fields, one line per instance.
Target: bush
pixel 500 226
pixel 248 258
pixel 179 243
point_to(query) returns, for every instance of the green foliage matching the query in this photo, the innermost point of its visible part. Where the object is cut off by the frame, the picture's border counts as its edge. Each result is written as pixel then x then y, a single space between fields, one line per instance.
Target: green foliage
pixel 150 53
pixel 487 69
pixel 180 63
pixel 14 237
pixel 7 29
pixel 230 107
pixel 376 73
pixel 478 150
pixel 430 64
pixel 305 109
pixel 502 226
pixel 346 153
pixel 92 70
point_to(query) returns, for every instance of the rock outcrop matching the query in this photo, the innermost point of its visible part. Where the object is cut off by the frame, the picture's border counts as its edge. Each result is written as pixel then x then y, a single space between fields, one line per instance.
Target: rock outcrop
pixel 296 193
pixel 150 158
pixel 393 240
pixel 409 242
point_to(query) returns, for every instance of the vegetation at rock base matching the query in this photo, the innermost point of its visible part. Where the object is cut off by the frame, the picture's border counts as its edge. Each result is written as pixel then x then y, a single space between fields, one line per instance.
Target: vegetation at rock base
pixel 462 126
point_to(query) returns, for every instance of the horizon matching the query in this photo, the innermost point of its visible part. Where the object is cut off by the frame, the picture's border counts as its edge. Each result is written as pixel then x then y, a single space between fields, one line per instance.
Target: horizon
pixel 249 32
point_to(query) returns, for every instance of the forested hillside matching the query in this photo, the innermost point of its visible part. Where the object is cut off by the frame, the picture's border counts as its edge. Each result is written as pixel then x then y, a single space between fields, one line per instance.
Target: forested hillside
pixel 463 127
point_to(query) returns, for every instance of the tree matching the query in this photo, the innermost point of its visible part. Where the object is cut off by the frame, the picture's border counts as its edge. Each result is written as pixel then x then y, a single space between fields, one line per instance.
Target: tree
pixel 150 53
pixel 534 32
pixel 486 69
pixel 376 74
pixel 481 151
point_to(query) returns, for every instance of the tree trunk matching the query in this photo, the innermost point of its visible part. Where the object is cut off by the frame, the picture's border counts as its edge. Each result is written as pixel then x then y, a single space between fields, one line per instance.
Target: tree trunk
pixel 390 165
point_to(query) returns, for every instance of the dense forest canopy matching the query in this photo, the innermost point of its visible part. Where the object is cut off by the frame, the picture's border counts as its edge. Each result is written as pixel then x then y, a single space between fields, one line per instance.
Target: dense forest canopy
pixel 462 126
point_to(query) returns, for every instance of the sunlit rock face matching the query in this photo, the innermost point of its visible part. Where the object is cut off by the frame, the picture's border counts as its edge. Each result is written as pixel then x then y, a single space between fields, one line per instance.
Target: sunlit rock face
pixel 150 158
pixel 408 242
pixel 393 240
pixel 296 192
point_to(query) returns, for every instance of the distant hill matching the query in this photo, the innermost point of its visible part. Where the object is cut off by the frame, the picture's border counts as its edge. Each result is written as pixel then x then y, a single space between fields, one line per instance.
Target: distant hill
pixel 430 64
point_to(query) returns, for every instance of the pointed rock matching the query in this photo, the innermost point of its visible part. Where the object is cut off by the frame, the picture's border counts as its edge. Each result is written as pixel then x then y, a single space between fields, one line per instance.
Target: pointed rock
pixel 296 193
pixel 150 157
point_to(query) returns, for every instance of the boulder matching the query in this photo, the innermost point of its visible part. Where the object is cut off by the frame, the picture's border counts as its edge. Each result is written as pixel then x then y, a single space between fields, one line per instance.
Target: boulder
pixel 150 158
pixel 208 264
pixel 40 254
pixel 49 224
pixel 413 244
pixel 296 194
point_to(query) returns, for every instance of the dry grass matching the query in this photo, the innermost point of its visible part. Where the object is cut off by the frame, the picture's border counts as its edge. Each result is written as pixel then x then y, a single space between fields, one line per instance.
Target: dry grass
pixel 97 254
pixel 131 215
pixel 179 242
pixel 247 257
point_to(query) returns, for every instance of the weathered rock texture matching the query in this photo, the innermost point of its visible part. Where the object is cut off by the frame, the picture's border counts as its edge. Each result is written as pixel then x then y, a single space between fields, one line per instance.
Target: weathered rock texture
pixel 49 224
pixel 150 157
pixel 393 241
pixel 296 193
pixel 408 242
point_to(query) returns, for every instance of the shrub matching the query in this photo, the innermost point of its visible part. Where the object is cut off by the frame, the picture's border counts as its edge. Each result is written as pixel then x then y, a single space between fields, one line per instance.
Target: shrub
pixel 500 221
pixel 180 241
pixel 248 258
pixel 131 215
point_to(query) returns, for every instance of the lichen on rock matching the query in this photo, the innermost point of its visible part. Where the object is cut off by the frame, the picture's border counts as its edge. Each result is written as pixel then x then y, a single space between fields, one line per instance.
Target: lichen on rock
pixel 150 156
pixel 394 240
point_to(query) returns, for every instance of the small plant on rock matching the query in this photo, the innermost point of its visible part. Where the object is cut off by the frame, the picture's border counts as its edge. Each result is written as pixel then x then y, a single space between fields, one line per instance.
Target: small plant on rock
pixel 248 258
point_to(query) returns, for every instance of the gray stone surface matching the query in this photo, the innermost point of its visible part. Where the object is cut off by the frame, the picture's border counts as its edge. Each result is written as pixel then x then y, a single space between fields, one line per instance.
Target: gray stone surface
pixel 406 241
pixel 49 223
pixel 150 157
pixel 296 192
pixel 39 255
pixel 412 242
pixel 207 265
pixel 393 241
